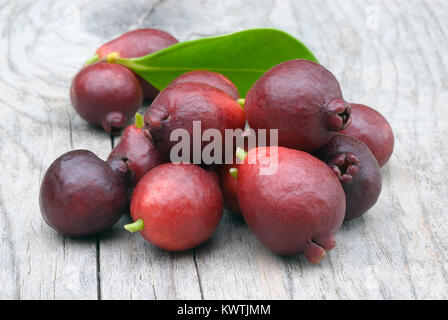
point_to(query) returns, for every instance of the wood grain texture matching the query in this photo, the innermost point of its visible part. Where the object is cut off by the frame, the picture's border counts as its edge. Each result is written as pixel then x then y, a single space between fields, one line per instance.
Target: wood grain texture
pixel 391 55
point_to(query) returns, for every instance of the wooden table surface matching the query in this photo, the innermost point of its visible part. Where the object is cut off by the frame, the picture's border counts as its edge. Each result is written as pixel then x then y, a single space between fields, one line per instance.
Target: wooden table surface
pixel 392 55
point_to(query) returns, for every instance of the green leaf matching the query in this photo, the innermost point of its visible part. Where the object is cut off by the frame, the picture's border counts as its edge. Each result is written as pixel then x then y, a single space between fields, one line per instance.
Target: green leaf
pixel 242 57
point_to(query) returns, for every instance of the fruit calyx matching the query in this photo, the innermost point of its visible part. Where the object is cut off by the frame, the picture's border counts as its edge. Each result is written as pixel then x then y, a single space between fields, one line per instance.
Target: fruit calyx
pixel 345 166
pixel 337 113
pixel 147 134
